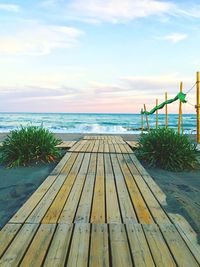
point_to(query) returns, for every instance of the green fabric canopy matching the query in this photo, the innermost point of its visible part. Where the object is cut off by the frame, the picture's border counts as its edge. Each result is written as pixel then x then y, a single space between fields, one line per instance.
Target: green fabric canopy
pixel 181 96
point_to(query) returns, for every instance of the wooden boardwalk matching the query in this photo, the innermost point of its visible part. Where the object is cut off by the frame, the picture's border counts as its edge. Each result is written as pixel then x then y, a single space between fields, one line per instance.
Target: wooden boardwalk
pixel 99 207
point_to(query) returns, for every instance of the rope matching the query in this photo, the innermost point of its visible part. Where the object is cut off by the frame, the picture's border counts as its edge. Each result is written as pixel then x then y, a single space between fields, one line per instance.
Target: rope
pixel 191 88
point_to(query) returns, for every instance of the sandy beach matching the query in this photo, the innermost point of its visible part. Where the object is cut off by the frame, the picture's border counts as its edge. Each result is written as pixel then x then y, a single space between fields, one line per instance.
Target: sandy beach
pixel 181 188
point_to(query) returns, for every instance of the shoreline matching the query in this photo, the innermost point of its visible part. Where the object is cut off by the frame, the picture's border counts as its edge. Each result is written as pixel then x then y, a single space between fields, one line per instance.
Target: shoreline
pixel 78 136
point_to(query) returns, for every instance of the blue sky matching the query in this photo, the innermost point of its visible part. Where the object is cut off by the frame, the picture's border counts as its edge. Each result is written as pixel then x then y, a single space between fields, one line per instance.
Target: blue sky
pixel 96 55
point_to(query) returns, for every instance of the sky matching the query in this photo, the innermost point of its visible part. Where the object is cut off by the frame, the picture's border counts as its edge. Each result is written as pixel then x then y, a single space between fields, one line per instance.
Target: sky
pixel 109 56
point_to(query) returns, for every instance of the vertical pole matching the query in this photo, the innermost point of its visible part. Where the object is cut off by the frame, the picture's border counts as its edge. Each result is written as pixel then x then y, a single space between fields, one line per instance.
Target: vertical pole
pixel 166 112
pixel 198 107
pixel 146 118
pixel 142 120
pixel 156 114
pixel 180 111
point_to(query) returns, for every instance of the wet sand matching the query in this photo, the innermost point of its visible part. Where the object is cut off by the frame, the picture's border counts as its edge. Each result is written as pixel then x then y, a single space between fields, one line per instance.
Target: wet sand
pixel 181 188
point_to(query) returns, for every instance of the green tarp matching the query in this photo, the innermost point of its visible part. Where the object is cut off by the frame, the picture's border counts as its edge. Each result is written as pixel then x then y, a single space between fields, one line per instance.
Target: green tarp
pixel 180 96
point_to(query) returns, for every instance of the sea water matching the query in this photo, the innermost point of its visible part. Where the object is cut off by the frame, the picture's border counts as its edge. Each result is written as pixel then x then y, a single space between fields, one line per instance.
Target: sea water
pixel 91 122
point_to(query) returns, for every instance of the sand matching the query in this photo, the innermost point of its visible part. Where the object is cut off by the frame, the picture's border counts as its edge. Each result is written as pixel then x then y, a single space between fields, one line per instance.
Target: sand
pixel 181 188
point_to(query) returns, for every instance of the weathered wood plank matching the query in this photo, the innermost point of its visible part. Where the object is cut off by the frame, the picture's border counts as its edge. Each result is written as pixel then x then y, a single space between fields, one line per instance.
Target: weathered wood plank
pixel 22 214
pixel 96 146
pixel 79 250
pixel 159 250
pixel 38 249
pixel 69 210
pixel 154 206
pixel 7 234
pixel 187 233
pixel 120 251
pixel 57 205
pixel 99 249
pixel 112 205
pixel 85 204
pixel 19 245
pixel 66 144
pixel 180 251
pixel 127 210
pixel 98 207
pixel 57 253
pixel 139 247
pixel 142 211
pixel 38 213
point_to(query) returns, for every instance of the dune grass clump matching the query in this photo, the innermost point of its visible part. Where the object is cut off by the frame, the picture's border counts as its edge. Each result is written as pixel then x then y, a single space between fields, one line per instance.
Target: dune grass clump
pixel 29 145
pixel 166 149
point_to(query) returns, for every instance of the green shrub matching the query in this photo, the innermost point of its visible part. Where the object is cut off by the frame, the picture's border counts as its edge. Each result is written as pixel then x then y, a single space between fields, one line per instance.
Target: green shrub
pixel 29 145
pixel 164 148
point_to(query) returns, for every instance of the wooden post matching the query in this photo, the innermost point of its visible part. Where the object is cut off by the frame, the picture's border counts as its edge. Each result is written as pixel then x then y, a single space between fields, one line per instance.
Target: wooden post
pixel 180 118
pixel 156 114
pixel 142 120
pixel 146 118
pixel 198 107
pixel 166 112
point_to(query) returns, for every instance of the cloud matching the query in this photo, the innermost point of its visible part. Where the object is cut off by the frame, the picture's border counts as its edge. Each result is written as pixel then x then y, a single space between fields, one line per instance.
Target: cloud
pixel 175 37
pixel 114 11
pixel 9 7
pixel 34 38
pixel 158 84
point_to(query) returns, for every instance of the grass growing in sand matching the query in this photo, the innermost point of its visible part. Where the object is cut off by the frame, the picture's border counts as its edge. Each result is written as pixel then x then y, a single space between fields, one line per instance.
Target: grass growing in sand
pixel 165 149
pixel 29 145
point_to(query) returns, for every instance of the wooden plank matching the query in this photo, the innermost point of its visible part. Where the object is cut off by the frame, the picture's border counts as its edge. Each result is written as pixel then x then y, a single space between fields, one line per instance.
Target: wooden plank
pixel 122 148
pixel 101 146
pixel 142 211
pixel 57 253
pixel 69 210
pixel 106 147
pixel 99 249
pixel 127 210
pixel 112 206
pixel 91 146
pixel 66 144
pixel 78 146
pixel 19 245
pixel 121 256
pixel 57 205
pixel 117 147
pixel 159 250
pixel 96 146
pixel 178 247
pixel 111 147
pixel 85 204
pixel 187 233
pixel 154 206
pixel 133 144
pixel 38 213
pixel 138 245
pixel 78 255
pixel 98 207
pixel 138 165
pixel 84 147
pixel 37 251
pixel 157 191
pixel 7 234
pixel 22 214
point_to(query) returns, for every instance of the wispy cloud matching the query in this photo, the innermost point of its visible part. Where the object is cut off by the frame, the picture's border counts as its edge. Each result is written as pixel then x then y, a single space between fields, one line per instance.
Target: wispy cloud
pixel 114 11
pixel 9 7
pixel 175 37
pixel 35 38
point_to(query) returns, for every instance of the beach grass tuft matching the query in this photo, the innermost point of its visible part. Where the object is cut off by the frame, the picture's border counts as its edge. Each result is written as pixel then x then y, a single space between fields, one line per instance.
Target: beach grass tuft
pixel 166 149
pixel 29 145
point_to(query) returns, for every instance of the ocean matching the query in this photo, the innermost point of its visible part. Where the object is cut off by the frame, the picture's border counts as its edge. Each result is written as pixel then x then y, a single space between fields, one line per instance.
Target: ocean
pixel 91 123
